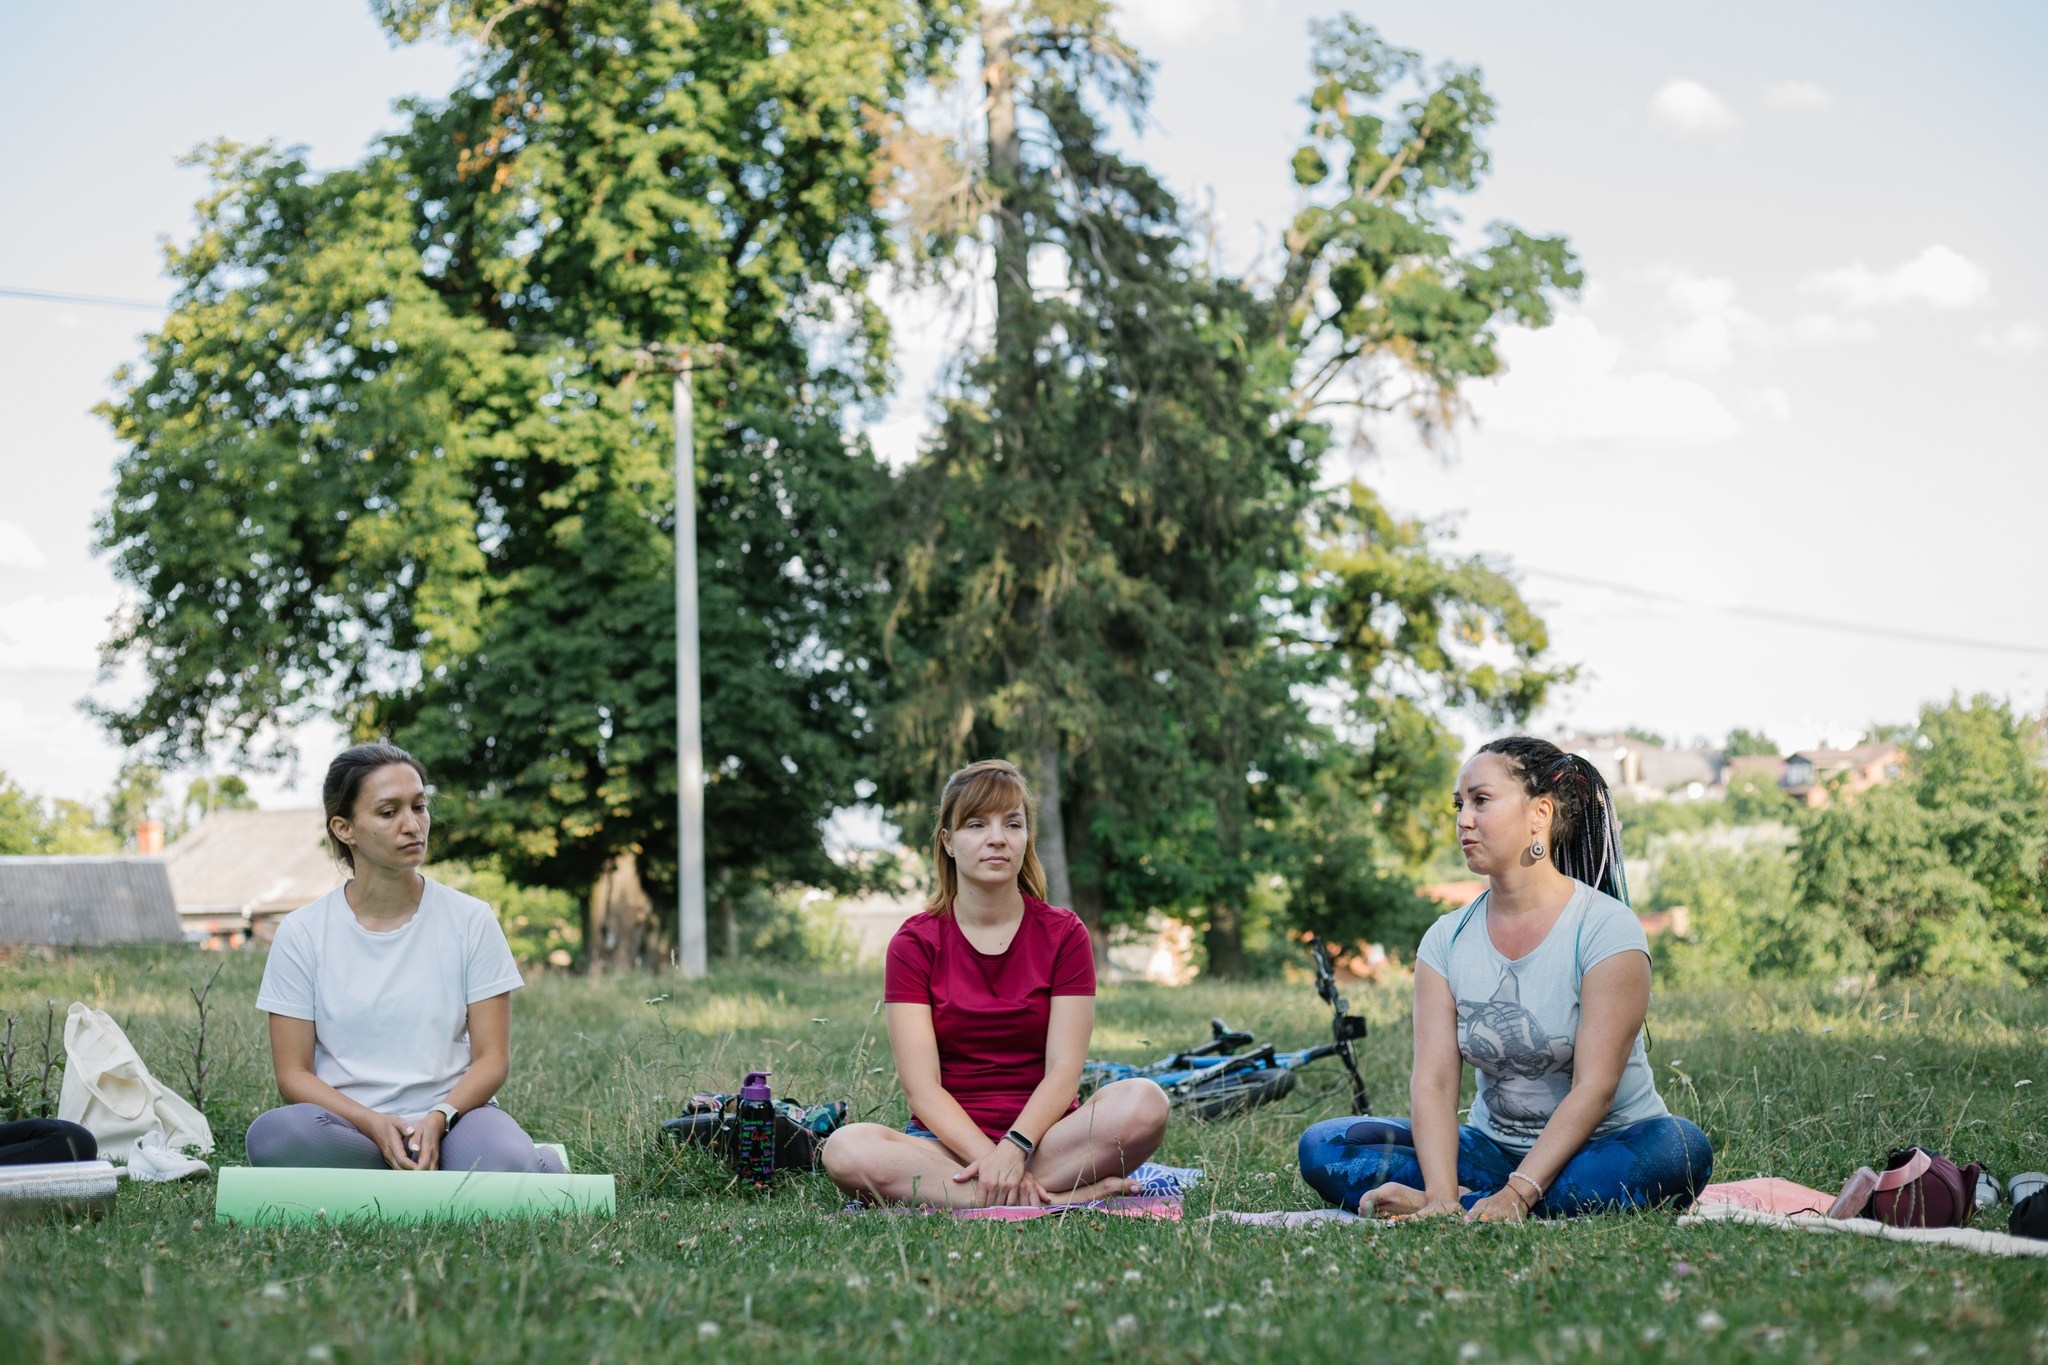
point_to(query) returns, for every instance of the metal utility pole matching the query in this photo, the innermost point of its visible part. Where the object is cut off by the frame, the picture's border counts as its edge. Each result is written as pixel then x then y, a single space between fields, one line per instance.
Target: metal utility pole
pixel 689 694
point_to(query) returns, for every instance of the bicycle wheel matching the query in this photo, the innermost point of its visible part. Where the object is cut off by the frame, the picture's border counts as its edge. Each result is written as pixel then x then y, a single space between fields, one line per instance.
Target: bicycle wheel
pixel 1237 1093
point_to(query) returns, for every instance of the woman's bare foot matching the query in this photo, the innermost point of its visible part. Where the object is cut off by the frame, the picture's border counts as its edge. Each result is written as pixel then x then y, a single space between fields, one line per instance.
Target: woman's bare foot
pixel 1109 1187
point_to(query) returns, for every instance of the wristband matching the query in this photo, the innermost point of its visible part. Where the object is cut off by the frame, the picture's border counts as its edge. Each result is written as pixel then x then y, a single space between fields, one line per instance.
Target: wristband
pixel 1024 1144
pixel 1530 1181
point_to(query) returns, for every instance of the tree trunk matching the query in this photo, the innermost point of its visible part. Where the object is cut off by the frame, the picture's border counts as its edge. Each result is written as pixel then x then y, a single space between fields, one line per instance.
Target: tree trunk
pixel 1223 940
pixel 1086 879
pixel 1005 167
pixel 619 921
pixel 1052 825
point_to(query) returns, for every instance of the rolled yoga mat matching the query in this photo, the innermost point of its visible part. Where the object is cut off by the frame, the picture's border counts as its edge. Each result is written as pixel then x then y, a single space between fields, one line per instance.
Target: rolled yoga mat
pixel 72 1188
pixel 306 1194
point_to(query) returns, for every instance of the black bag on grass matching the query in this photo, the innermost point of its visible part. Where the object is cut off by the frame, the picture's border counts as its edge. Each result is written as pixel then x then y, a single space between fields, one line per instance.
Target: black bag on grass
pixel 2030 1217
pixel 713 1122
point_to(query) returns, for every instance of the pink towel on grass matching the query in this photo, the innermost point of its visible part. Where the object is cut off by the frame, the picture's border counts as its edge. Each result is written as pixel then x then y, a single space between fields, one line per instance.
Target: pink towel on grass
pixel 1768 1194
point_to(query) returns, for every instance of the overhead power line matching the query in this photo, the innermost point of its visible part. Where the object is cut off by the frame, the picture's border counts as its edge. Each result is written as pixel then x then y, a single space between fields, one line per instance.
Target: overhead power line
pixel 90 300
pixel 1792 618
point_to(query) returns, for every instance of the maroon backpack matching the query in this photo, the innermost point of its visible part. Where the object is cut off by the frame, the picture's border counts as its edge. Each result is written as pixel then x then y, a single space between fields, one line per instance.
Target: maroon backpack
pixel 1923 1189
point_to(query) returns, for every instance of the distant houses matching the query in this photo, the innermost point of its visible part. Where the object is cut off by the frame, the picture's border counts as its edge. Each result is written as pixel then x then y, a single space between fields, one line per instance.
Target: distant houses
pixel 1811 775
pixel 1650 771
pixel 86 902
pixel 239 871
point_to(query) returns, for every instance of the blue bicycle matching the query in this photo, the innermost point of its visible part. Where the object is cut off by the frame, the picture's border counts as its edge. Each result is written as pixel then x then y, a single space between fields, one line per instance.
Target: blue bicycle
pixel 1216 1079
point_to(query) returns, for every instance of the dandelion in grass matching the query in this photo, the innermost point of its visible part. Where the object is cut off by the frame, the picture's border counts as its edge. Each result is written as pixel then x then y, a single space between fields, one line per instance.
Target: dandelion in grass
pixel 707 1330
pixel 1133 1276
pixel 1469 1351
pixel 1710 1321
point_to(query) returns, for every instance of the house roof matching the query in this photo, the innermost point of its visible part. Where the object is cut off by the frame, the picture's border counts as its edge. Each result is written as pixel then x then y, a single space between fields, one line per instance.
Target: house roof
pixel 252 862
pixel 1849 758
pixel 86 902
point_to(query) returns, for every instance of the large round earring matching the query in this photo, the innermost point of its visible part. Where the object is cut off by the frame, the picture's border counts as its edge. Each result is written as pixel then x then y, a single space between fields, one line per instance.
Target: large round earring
pixel 1536 850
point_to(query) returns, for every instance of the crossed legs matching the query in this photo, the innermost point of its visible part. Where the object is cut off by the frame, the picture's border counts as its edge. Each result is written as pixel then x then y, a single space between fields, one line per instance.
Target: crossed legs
pixel 1082 1157
pixel 484 1139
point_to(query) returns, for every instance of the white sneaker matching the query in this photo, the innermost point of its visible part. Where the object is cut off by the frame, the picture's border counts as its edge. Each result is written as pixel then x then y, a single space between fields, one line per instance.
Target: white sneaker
pixel 151 1160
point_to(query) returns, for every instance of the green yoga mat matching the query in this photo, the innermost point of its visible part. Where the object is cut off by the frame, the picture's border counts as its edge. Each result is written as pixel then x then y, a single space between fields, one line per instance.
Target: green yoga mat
pixel 299 1194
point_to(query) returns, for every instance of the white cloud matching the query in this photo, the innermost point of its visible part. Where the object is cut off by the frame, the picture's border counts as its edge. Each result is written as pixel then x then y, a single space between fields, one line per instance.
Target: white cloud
pixel 54 632
pixel 1825 329
pixel 18 549
pixel 1172 21
pixel 1690 107
pixel 1563 383
pixel 1769 401
pixel 1937 276
pixel 1797 95
pixel 2020 338
pixel 1709 323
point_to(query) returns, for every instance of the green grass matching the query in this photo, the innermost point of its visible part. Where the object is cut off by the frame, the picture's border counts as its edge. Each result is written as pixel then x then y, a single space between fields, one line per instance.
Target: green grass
pixel 1796 1083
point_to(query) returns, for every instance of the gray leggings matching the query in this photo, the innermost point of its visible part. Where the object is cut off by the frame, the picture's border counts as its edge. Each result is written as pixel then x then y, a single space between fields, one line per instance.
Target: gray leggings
pixel 485 1139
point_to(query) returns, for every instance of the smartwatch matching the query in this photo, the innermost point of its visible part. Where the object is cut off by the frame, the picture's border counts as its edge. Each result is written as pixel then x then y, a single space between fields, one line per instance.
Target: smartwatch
pixel 448 1112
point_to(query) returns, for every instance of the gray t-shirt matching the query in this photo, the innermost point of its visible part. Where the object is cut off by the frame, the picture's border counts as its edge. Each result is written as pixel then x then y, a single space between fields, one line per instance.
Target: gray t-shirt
pixel 1518 1020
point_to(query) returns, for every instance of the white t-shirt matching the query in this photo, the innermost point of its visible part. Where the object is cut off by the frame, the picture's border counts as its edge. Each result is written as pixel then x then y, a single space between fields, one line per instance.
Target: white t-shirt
pixel 390 1011
pixel 1518 1021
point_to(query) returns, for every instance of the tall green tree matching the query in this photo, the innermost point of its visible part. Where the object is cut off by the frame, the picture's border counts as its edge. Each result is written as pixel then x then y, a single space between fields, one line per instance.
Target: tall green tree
pixel 1112 577
pixel 1946 870
pixel 401 451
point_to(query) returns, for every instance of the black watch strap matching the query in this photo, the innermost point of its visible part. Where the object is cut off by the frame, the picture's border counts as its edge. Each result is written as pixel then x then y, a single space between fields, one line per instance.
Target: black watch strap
pixel 1024 1144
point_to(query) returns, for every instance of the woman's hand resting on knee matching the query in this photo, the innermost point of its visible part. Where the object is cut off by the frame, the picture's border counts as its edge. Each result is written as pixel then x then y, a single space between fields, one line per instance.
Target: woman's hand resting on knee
pixel 1003 1178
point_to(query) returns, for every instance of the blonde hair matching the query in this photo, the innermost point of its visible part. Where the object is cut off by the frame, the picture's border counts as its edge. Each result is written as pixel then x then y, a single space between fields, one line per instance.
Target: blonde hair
pixel 992 785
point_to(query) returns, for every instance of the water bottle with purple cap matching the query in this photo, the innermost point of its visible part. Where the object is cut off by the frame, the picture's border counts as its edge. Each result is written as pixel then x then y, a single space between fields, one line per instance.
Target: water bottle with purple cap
pixel 755 1151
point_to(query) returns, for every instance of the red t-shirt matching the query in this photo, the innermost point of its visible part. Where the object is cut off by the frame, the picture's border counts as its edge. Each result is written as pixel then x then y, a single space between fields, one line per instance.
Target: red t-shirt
pixel 991 1012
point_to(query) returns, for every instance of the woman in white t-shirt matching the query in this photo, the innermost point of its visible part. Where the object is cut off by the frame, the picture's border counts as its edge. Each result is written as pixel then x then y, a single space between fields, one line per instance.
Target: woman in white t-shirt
pixel 1542 985
pixel 390 1000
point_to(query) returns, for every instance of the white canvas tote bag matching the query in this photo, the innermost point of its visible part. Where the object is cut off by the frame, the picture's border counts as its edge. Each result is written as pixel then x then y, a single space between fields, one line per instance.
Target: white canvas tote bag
pixel 110 1091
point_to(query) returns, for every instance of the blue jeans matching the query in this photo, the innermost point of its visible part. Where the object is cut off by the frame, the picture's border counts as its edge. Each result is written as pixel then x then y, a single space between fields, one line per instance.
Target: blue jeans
pixel 1645 1163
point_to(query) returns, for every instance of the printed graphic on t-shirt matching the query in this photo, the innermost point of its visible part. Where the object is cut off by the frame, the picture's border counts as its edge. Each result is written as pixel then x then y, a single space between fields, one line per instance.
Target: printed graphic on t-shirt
pixel 1528 1071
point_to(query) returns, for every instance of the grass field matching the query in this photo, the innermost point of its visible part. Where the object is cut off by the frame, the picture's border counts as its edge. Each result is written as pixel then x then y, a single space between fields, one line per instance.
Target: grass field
pixel 1796 1083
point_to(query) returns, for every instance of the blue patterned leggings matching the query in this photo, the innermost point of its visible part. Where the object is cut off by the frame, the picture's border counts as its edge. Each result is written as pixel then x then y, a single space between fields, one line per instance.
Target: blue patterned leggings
pixel 1645 1163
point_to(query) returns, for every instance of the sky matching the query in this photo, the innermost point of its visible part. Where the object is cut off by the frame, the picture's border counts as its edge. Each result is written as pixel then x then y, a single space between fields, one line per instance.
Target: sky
pixel 1802 381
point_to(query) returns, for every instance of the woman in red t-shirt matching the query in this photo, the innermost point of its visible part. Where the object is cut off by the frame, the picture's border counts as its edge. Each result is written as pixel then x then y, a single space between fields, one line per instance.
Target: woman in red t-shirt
pixel 991 1001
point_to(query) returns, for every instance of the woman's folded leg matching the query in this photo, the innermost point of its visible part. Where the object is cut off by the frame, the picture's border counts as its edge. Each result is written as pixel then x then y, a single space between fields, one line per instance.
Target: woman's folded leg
pixel 1656 1161
pixel 489 1139
pixel 1344 1160
pixel 307 1135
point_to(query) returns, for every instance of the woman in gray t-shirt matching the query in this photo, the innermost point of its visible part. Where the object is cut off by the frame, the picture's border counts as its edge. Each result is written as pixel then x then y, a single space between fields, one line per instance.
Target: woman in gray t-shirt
pixel 1541 984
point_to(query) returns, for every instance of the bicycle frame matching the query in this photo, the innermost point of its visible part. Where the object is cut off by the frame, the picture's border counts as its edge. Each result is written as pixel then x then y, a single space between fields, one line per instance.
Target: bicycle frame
pixel 1184 1075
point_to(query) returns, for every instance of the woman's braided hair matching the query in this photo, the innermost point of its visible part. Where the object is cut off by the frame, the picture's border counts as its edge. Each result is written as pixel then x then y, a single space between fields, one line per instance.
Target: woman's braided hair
pixel 1585 835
